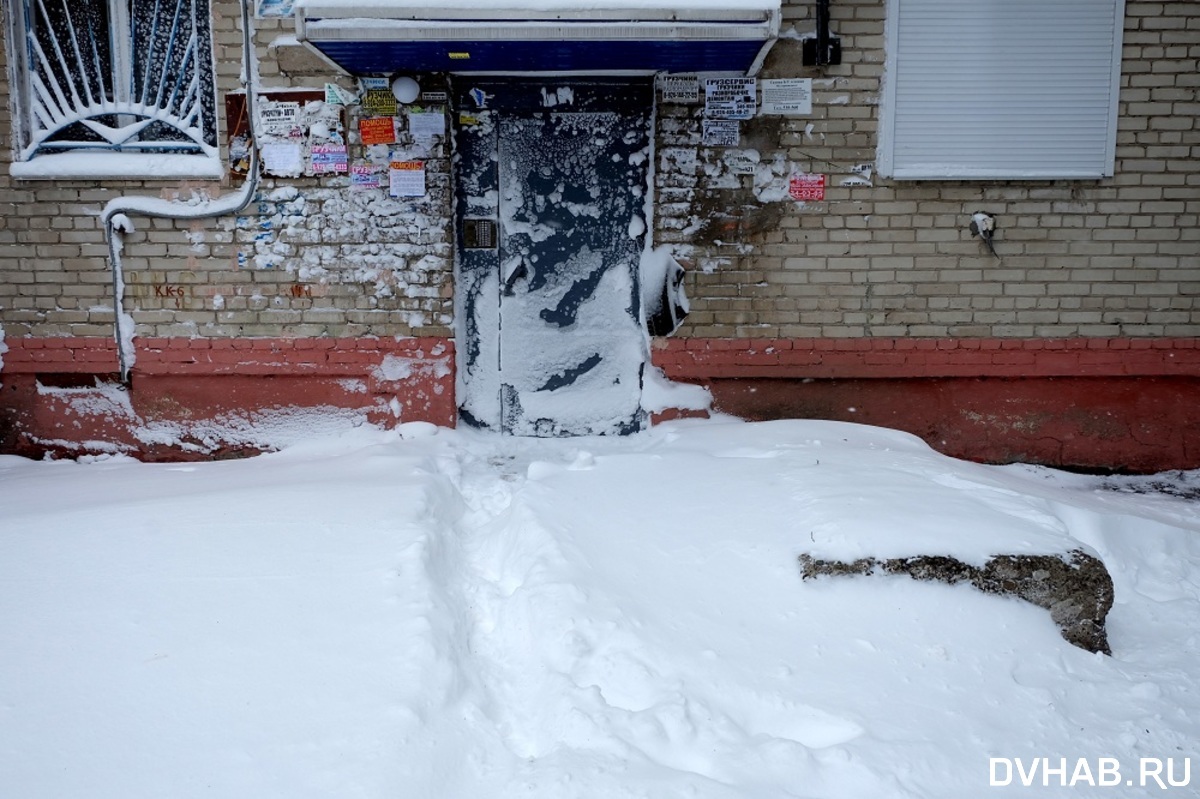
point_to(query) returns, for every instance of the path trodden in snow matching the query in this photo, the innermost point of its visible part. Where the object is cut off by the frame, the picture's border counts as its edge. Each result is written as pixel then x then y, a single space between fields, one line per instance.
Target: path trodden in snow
pixel 432 613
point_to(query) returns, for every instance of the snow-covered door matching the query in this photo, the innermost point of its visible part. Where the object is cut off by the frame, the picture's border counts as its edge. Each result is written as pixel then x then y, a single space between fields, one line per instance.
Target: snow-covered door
pixel 551 193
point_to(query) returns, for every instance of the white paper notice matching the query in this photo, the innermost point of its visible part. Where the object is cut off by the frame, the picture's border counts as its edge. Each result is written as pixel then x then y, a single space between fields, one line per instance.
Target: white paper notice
pixel 787 96
pixel 730 98
pixel 282 158
pixel 407 179
pixel 280 119
pixel 722 133
pixel 425 126
pixel 740 162
pixel 680 88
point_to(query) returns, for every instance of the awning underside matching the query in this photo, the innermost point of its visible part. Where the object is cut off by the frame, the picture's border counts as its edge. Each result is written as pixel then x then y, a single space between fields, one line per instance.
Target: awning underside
pixel 366 46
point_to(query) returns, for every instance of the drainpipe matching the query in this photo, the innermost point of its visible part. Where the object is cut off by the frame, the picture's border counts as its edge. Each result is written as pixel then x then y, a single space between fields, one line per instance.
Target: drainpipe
pixel 825 50
pixel 115 215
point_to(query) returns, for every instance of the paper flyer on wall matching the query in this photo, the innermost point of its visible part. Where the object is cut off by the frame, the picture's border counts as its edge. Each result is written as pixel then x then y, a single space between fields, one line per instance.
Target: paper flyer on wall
pixel 741 162
pixel 406 179
pixel 427 125
pixel 379 102
pixel 679 88
pixel 280 119
pixel 377 130
pixel 721 133
pixel 803 187
pixel 329 159
pixel 730 98
pixel 283 158
pixel 364 176
pixel 336 95
pixel 787 96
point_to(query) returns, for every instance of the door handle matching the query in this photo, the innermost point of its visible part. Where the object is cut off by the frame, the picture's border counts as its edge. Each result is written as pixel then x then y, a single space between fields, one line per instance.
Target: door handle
pixel 516 272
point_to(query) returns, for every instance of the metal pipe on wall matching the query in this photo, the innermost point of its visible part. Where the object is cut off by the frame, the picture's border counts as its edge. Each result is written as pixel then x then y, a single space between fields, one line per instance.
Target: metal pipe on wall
pixel 116 212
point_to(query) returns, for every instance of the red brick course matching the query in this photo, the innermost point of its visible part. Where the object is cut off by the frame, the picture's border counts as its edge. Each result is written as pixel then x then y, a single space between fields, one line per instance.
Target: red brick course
pixel 1085 403
pixel 696 359
pixel 188 381
pixel 689 359
pixel 181 356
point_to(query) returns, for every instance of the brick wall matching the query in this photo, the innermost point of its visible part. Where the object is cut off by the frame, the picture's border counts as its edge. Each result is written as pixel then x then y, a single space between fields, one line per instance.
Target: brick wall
pixel 880 357
pixel 308 257
pixel 881 281
pixel 1117 257
pixel 204 397
pixel 878 258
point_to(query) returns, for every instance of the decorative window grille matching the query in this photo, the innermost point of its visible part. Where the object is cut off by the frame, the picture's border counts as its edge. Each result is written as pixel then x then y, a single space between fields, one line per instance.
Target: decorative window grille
pixel 115 75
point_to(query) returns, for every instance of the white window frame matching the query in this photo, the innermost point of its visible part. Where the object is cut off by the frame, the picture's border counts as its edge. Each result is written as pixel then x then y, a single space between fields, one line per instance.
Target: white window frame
pixel 117 114
pixel 1000 89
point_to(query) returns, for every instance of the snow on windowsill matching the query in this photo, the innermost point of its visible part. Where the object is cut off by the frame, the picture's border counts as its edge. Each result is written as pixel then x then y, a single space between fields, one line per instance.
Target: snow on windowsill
pixel 348 8
pixel 106 165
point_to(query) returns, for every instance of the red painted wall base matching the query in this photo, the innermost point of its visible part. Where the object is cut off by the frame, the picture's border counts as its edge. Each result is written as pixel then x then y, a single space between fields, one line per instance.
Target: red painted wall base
pixel 1102 404
pixel 1137 425
pixel 1091 404
pixel 204 398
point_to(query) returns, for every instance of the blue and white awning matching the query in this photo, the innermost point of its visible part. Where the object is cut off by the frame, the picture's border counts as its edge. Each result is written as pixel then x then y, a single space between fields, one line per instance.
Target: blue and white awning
pixel 597 36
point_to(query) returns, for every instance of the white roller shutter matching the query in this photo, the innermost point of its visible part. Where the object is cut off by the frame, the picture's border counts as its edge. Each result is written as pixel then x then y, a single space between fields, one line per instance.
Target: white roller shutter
pixel 1000 89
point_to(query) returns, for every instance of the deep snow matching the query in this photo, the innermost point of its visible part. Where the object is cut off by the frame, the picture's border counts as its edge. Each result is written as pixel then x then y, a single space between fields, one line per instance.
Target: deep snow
pixel 436 613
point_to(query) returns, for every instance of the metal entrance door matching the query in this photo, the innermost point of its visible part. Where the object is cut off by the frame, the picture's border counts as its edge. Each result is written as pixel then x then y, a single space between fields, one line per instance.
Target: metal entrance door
pixel 550 204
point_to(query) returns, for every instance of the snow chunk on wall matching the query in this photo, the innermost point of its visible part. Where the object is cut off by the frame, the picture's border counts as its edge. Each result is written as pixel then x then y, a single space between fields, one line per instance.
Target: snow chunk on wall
pixel 267 429
pixel 101 399
pixel 272 428
pixel 660 393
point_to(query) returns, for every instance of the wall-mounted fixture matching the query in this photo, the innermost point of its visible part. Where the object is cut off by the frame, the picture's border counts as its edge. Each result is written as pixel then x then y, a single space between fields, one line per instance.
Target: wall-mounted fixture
pixel 983 225
pixel 824 50
pixel 405 89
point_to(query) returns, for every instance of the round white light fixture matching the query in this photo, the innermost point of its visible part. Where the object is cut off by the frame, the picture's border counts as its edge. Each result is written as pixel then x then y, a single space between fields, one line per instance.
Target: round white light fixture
pixel 405 89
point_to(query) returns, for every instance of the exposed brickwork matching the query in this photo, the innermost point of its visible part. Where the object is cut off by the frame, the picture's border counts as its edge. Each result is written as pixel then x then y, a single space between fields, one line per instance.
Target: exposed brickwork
pixel 879 282
pixel 682 358
pixel 699 359
pixel 309 257
pixel 62 396
pixel 1110 258
pixel 179 356
pixel 880 258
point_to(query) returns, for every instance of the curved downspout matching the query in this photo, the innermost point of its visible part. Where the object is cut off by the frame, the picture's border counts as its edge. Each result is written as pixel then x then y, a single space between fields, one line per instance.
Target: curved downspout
pixel 115 214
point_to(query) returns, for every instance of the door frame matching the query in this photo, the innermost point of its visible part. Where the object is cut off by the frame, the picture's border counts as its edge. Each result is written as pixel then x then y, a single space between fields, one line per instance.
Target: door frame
pixel 477 105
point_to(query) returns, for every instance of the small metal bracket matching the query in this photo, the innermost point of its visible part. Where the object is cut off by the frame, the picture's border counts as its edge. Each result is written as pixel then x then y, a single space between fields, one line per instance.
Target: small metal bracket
pixel 814 56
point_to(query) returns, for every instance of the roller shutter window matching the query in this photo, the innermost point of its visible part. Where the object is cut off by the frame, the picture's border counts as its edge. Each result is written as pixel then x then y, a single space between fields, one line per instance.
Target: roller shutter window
pixel 1000 89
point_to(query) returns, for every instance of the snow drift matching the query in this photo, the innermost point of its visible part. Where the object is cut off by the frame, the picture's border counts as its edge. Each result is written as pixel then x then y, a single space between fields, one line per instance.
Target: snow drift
pixel 433 613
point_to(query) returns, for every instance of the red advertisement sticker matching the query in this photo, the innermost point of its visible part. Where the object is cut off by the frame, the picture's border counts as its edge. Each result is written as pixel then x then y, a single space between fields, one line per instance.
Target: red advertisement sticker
pixel 807 187
pixel 377 130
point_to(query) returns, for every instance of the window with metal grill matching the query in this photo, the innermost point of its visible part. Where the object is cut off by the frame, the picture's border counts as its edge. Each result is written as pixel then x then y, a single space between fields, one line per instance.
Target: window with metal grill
pixel 116 76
